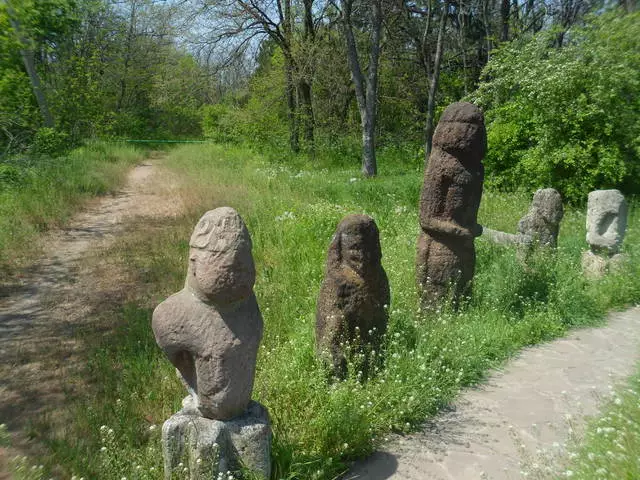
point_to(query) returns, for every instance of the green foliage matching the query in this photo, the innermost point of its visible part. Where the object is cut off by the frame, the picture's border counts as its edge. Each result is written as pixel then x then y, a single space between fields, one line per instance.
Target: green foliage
pixel 428 359
pixel 258 117
pixel 567 117
pixel 50 142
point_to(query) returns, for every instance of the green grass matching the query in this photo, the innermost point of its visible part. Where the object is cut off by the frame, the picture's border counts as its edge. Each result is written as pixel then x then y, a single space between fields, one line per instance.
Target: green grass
pixel 609 449
pixel 37 194
pixel 291 211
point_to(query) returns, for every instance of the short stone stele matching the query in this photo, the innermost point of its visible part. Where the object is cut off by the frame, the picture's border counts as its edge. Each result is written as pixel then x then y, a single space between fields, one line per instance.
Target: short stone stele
pixel 539 227
pixel 211 331
pixel 541 224
pixel 351 316
pixel 449 203
pixel 606 226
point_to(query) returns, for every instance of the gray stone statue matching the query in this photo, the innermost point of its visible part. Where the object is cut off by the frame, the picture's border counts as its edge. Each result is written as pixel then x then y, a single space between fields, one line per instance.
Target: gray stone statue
pixel 351 315
pixel 449 203
pixel 606 226
pixel 542 223
pixel 539 227
pixel 211 331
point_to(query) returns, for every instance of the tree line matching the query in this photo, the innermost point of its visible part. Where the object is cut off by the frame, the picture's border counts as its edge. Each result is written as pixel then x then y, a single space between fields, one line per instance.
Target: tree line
pixel 305 73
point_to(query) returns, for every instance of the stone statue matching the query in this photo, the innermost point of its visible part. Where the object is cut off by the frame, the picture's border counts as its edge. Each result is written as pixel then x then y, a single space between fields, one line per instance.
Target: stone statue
pixel 354 296
pixel 449 203
pixel 606 226
pixel 542 223
pixel 211 331
pixel 540 226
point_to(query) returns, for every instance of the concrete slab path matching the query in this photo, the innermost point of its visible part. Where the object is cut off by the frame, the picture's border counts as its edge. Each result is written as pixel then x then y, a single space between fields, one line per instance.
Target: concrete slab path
pixel 518 423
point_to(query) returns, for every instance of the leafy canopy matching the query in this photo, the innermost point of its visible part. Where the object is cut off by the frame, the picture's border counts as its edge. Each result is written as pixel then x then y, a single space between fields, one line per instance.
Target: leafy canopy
pixel 566 117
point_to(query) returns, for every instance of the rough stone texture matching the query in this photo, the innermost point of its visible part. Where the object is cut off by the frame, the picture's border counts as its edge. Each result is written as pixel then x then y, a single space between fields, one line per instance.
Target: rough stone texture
pixel 596 266
pixel 354 293
pixel 542 223
pixel 606 220
pixel 503 238
pixel 449 203
pixel 220 446
pixel 212 328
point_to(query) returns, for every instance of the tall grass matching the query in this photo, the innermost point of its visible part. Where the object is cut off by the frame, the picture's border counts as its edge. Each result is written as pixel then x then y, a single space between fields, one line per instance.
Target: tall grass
pixel 37 193
pixel 609 449
pixel 291 212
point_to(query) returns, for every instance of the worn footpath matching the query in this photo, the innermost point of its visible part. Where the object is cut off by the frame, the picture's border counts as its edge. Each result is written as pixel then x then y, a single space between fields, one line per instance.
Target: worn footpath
pixel 57 297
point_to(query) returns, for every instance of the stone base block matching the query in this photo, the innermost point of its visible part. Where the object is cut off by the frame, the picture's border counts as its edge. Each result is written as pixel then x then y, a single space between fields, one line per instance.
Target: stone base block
pixel 204 447
pixel 596 266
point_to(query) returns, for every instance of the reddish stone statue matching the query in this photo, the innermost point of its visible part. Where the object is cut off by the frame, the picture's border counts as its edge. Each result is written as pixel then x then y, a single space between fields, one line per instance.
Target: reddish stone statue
pixel 449 203
pixel 351 316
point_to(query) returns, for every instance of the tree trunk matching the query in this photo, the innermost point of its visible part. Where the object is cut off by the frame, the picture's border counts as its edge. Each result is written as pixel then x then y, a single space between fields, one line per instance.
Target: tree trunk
pixel 433 87
pixel 369 163
pixel 28 58
pixel 292 113
pixel 120 102
pixel 505 13
pixel 290 84
pixel 305 84
pixel 306 112
pixel 366 90
pixel 487 27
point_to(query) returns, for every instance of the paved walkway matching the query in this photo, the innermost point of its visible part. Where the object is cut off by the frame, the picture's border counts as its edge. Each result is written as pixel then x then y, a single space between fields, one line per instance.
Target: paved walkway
pixel 516 425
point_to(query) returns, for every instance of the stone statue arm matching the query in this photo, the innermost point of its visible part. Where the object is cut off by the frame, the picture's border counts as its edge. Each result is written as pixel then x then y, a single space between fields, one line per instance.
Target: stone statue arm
pixel 450 228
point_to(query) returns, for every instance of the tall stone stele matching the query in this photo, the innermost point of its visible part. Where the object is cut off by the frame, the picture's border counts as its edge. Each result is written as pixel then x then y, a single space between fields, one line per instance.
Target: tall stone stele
pixel 351 316
pixel 211 331
pixel 449 203
pixel 606 226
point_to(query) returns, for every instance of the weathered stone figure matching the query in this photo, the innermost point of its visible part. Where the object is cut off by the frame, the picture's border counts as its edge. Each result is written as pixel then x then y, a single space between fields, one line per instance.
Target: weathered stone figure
pixel 606 221
pixel 606 226
pixel 541 224
pixel 211 331
pixel 449 203
pixel 354 296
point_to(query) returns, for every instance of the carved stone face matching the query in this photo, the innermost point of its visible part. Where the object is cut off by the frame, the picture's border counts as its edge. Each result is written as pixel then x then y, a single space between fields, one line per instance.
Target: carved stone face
pixel 461 132
pixel 548 204
pixel 352 252
pixel 606 220
pixel 221 266
pixel 358 244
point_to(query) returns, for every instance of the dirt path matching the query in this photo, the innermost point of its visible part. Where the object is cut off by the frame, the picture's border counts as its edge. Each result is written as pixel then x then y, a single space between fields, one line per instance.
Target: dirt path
pixel 57 296
pixel 517 424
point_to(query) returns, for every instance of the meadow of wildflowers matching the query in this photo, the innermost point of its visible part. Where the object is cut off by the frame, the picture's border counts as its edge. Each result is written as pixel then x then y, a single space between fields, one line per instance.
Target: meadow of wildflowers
pixel 291 211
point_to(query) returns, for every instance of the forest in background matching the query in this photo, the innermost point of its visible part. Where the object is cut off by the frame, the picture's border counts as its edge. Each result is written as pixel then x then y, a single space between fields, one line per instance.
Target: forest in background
pixel 332 80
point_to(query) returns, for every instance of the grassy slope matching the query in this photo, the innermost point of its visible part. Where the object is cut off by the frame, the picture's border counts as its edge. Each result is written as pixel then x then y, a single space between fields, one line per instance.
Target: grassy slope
pixel 291 212
pixel 38 194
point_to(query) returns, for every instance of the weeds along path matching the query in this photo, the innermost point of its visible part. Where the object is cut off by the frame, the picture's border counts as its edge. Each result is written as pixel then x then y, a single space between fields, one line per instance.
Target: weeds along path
pixel 517 424
pixel 57 297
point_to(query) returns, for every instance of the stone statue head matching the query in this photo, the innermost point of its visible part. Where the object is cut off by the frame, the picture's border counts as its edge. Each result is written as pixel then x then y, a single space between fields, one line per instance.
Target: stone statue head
pixel 356 244
pixel 606 220
pixel 461 132
pixel 221 268
pixel 547 203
